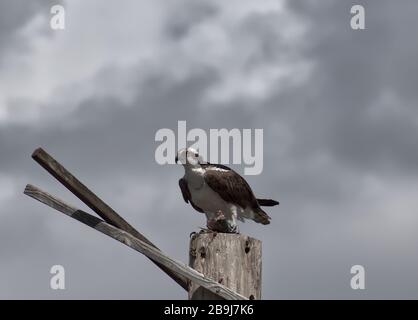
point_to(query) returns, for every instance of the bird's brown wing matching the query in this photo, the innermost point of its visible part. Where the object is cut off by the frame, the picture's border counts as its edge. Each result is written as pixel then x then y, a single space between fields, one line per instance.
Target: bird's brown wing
pixel 184 190
pixel 231 187
pixel 187 195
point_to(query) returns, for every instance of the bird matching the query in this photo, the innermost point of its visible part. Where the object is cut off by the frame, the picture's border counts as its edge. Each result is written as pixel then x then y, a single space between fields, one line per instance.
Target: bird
pixel 220 193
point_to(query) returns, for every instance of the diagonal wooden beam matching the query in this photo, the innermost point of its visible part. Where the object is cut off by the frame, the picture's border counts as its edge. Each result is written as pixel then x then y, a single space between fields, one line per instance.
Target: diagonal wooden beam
pixel 134 243
pixel 96 204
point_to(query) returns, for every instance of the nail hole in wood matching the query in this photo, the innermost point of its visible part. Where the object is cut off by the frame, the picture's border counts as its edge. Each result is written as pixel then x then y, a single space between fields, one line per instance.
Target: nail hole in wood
pixel 247 246
pixel 202 252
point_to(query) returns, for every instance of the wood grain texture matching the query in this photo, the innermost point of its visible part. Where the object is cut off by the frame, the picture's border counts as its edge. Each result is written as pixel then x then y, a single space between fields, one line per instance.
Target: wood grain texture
pixel 94 202
pixel 83 193
pixel 233 260
pixel 122 236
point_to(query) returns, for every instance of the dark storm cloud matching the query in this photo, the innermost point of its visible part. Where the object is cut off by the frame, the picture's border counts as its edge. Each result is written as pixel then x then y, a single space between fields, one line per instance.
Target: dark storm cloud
pixel 188 15
pixel 348 110
pixel 122 136
pixel 321 137
pixel 109 128
pixel 357 110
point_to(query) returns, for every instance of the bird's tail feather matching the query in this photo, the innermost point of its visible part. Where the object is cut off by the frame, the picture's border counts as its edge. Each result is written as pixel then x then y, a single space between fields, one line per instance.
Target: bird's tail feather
pixel 267 202
pixel 261 216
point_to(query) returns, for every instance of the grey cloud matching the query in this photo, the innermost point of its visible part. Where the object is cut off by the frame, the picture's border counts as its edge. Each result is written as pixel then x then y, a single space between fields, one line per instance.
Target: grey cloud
pixel 353 71
pixel 321 140
pixel 14 15
pixel 186 16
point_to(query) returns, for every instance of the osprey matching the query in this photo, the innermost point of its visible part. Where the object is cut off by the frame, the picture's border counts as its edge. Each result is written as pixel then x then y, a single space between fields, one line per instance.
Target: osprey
pixel 220 193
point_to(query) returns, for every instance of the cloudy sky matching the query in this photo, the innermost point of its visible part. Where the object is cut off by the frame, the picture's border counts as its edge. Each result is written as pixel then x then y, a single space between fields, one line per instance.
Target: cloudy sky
pixel 338 108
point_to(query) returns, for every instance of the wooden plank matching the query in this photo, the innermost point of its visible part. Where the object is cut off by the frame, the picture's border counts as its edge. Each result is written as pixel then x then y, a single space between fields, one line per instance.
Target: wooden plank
pixel 95 203
pixel 234 260
pixel 134 243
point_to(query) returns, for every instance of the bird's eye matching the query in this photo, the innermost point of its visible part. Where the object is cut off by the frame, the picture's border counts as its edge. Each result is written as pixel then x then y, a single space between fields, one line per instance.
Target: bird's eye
pixel 196 154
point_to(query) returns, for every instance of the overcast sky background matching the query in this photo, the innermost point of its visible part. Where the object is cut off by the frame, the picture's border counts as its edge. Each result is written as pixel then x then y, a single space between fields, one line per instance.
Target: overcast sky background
pixel 339 113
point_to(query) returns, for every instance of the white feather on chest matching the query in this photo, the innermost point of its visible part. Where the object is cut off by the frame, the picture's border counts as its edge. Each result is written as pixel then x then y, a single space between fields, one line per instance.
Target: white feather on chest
pixel 202 195
pixel 208 200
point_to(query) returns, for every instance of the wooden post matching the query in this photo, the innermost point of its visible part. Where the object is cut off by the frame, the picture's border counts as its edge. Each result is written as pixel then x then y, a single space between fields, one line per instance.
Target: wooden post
pixel 234 260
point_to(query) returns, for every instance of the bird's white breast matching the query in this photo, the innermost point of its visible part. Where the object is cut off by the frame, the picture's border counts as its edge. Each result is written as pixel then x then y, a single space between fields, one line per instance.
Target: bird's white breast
pixel 210 201
pixel 202 195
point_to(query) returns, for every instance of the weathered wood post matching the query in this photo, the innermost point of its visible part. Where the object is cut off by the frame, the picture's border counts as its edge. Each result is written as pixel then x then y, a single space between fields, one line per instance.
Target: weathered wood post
pixel 233 260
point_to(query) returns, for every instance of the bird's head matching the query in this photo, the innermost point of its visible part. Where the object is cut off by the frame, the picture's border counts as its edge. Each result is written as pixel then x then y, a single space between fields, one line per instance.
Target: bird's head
pixel 189 157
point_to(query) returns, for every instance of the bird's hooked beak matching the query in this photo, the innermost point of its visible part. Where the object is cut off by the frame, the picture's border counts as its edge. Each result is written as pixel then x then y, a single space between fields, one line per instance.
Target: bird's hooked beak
pixel 177 159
